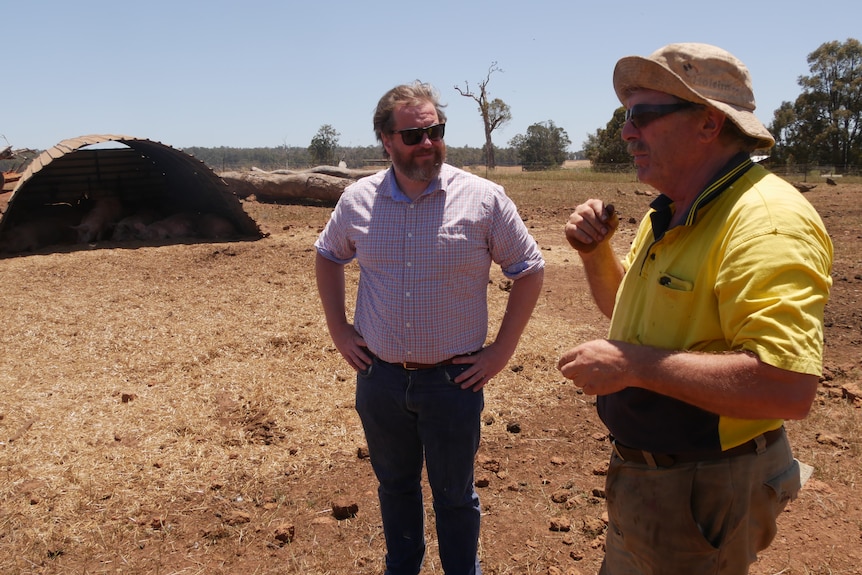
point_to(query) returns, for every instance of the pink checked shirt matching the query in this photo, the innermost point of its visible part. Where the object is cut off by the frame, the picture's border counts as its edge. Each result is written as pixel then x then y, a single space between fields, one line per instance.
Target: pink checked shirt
pixel 423 265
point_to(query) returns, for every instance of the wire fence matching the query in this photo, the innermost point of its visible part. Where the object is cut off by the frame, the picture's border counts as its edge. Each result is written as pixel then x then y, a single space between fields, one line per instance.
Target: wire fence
pixel 807 172
pixel 796 172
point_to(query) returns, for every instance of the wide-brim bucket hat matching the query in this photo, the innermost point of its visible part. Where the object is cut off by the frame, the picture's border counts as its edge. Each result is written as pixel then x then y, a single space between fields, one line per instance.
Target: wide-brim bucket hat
pixel 698 73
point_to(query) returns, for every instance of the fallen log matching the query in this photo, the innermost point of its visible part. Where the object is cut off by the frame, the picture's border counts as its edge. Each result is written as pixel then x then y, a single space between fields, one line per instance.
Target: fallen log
pixel 338 172
pixel 271 187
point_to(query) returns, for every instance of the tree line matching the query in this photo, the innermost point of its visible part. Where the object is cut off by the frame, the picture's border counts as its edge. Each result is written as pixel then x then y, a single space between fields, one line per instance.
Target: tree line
pixel 226 159
pixel 544 146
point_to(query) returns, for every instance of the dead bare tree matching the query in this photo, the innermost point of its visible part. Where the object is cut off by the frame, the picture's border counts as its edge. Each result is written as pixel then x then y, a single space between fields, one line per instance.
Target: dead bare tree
pixel 495 113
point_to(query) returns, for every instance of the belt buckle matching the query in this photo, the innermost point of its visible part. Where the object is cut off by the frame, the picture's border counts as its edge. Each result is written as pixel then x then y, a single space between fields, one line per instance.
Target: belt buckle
pixel 648 457
pixel 406 366
pixel 617 451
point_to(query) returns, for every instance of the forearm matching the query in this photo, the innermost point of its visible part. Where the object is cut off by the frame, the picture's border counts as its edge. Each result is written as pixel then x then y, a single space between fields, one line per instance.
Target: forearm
pixel 604 274
pixel 734 384
pixel 522 300
pixel 331 288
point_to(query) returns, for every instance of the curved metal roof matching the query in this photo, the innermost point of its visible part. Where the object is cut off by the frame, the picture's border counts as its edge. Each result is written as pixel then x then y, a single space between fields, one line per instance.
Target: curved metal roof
pixel 141 170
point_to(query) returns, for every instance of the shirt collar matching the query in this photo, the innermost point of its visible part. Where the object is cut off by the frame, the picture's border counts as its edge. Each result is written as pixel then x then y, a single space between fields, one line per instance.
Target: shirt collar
pixel 395 191
pixel 723 179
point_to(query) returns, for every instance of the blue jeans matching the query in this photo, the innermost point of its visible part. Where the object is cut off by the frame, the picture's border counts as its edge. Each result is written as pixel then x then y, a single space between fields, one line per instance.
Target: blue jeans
pixel 409 416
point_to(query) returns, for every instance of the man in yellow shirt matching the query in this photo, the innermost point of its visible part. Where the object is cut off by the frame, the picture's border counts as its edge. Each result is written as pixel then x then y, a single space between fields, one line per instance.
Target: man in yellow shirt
pixel 716 331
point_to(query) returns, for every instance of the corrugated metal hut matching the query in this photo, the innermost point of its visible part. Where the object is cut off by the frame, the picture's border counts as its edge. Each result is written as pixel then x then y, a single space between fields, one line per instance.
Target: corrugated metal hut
pixel 142 173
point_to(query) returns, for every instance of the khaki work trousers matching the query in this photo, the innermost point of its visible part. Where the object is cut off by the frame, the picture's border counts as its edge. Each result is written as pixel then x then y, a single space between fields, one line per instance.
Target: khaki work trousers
pixel 703 518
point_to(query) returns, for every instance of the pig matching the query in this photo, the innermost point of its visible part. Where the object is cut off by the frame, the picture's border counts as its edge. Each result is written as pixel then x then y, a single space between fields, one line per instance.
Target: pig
pixel 133 227
pixel 214 226
pixel 53 228
pixel 100 220
pixel 180 225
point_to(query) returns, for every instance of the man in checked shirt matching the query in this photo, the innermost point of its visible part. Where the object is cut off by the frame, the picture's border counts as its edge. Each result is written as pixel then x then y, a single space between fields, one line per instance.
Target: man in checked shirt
pixel 424 234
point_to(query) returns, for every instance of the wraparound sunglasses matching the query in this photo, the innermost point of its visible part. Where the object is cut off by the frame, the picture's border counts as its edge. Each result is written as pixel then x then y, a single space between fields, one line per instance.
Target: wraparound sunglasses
pixel 413 136
pixel 640 115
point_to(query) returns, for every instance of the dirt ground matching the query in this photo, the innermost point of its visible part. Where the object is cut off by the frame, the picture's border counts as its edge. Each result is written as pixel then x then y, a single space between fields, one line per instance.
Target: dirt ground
pixel 180 409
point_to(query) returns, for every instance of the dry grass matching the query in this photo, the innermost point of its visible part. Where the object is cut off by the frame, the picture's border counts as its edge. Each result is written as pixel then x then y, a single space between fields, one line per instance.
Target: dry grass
pixel 172 409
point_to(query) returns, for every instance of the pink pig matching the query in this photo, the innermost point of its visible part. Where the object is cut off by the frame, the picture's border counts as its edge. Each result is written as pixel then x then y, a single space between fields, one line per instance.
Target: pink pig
pixel 179 225
pixel 214 226
pixel 134 226
pixel 99 221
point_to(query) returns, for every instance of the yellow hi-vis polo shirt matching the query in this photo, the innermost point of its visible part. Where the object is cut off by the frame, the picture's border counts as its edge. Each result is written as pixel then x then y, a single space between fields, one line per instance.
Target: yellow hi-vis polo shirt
pixel 749 270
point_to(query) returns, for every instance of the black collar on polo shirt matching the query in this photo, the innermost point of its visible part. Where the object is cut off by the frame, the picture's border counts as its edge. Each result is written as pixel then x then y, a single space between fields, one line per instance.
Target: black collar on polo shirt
pixel 726 176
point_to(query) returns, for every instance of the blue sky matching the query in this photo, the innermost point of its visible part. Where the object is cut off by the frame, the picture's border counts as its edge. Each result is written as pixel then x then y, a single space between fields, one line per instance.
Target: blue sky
pixel 268 73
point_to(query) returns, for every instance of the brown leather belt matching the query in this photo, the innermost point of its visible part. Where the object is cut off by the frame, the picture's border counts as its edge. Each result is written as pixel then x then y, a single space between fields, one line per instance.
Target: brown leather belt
pixel 411 366
pixel 756 445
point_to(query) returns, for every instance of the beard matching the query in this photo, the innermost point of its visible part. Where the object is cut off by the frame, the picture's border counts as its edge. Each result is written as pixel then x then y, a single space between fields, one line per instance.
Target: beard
pixel 421 168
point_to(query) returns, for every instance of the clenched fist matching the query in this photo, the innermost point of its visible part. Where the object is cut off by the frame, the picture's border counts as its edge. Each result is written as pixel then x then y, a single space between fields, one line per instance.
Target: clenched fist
pixel 590 224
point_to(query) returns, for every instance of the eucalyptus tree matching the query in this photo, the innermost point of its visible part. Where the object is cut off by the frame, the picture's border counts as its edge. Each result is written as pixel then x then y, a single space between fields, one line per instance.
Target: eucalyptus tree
pixel 606 149
pixel 495 113
pixel 324 145
pixel 824 124
pixel 543 147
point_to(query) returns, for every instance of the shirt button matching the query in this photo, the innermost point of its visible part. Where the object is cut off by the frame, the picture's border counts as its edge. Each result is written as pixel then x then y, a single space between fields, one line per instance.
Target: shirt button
pixel 407 294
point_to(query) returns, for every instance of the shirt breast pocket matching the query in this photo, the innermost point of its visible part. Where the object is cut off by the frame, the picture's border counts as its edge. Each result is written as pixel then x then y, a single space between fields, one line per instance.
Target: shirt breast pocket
pixel 673 308
pixel 458 249
pixel 674 283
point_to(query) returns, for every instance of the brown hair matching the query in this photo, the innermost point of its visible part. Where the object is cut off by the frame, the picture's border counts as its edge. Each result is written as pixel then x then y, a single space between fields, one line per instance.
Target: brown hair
pixel 404 95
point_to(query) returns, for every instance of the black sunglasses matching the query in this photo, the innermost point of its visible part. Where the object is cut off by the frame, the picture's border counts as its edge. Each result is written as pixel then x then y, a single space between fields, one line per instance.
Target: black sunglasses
pixel 413 136
pixel 640 115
